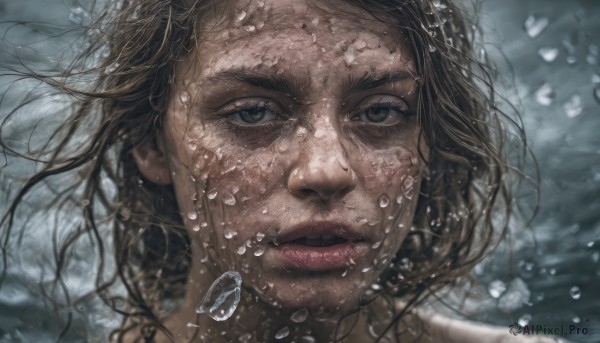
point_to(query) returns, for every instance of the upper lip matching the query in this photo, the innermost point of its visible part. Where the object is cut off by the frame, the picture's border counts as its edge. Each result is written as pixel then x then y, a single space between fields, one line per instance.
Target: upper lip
pixel 318 228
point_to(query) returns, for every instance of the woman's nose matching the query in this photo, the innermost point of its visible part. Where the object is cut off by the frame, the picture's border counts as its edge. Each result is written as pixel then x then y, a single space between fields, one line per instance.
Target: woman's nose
pixel 322 172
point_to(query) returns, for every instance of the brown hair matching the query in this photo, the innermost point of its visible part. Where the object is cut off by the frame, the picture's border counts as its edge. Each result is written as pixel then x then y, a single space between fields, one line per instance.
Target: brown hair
pixel 468 179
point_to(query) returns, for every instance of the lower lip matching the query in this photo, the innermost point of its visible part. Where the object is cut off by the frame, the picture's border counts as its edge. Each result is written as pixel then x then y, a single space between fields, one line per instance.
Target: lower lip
pixel 305 257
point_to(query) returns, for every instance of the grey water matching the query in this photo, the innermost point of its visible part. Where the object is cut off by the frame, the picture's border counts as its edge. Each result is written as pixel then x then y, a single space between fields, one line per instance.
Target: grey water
pixel 547 50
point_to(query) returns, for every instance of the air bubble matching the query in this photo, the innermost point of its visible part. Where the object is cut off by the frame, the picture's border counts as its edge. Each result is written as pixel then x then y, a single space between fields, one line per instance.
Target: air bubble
pixel 299 316
pixel 534 25
pixel 573 107
pixel 496 288
pixel 575 292
pixel 548 54
pixel 524 319
pixel 545 95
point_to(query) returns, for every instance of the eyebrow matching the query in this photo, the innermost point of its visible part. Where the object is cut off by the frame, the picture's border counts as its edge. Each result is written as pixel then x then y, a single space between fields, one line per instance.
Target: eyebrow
pixel 373 80
pixel 268 81
pixel 290 84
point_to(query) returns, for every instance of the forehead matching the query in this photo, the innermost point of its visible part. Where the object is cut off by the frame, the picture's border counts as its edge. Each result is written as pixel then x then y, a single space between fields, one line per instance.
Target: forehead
pixel 299 36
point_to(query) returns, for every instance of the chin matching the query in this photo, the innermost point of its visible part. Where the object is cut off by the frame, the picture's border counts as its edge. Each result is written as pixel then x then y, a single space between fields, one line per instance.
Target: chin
pixel 322 291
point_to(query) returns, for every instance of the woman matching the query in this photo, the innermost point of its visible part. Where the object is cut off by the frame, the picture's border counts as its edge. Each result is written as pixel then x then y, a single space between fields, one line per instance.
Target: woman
pixel 345 157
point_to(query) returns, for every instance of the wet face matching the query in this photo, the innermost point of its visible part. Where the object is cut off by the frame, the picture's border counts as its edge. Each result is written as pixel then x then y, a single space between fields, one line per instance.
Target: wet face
pixel 292 142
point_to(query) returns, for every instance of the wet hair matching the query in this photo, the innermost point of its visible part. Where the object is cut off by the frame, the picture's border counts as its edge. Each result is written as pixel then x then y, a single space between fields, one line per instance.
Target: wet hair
pixel 465 199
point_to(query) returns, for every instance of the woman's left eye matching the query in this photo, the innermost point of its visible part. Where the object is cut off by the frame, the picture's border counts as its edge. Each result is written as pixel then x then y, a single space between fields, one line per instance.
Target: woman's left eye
pixel 380 114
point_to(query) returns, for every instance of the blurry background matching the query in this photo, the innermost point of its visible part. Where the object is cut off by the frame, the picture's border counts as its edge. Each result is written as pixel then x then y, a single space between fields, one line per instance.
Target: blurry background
pixel 547 51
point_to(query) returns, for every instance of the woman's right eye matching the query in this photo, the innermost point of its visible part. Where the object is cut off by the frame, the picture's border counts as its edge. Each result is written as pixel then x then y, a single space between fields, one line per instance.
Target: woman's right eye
pixel 254 115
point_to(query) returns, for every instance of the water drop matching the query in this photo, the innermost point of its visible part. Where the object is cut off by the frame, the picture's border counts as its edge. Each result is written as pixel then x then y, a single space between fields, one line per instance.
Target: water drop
pixel 349 57
pixel 229 233
pixel 212 194
pixel 496 288
pixel 184 97
pixel 573 107
pixel 432 48
pixel 228 199
pixel 78 16
pixel 241 15
pixel 534 25
pixel 299 316
pixel 548 54
pixel 192 325
pixel 222 297
pixel 264 210
pixel 196 228
pixel 203 224
pixel 524 319
pixel 545 95
pixel 282 333
pixel 192 215
pixel 517 294
pixel 259 251
pixel 241 250
pixel 575 292
pixel 260 236
pixel 384 201
pixel 399 199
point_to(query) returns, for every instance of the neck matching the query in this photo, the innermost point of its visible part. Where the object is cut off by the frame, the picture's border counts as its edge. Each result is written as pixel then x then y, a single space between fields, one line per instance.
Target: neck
pixel 257 320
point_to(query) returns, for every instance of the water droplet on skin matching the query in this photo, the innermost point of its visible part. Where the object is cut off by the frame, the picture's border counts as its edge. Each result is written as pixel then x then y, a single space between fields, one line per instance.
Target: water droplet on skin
pixel 229 233
pixel 299 316
pixel 228 199
pixel 260 236
pixel 282 333
pixel 534 25
pixel 308 339
pixel 545 95
pixel 548 54
pixel 575 292
pixel 496 288
pixel 222 297
pixel 192 215
pixel 250 28
pixel 259 251
pixel 344 273
pixel 241 250
pixel 264 210
pixel 241 15
pixel 203 224
pixel 366 269
pixel 384 201
pixel 192 325
pixel 196 228
pixel 574 106
pixel 376 245
pixel 399 199
pixel 432 48
pixel 212 194
pixel 184 97
pixel 283 147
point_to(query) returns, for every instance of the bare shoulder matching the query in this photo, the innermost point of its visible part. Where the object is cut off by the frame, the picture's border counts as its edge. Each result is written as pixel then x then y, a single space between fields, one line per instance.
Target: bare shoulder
pixel 443 329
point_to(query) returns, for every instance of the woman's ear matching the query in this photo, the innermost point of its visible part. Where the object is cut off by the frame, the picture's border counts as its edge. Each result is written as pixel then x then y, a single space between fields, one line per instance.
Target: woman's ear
pixel 152 162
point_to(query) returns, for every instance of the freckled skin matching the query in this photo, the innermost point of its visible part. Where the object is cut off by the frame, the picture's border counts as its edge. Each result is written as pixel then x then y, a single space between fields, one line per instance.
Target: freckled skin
pixel 314 164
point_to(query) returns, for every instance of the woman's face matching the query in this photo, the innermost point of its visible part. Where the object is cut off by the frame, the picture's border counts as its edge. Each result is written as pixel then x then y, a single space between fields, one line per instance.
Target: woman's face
pixel 292 142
